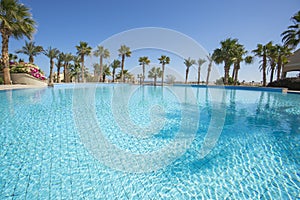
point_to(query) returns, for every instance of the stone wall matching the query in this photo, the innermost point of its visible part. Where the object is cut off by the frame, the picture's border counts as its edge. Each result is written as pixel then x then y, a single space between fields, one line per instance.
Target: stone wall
pixel 25 79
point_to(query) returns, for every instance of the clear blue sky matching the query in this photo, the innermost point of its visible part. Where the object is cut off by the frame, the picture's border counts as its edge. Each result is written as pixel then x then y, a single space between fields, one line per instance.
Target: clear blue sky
pixel 62 24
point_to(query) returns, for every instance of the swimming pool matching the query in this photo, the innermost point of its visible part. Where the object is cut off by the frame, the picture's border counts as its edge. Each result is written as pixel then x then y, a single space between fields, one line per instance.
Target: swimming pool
pixel 61 143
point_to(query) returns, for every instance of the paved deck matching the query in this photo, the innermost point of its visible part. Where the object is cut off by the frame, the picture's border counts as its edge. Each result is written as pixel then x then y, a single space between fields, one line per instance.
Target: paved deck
pixel 11 87
pixel 294 91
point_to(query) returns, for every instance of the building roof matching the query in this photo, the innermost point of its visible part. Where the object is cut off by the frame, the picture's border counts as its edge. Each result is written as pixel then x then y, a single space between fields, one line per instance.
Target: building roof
pixel 294 62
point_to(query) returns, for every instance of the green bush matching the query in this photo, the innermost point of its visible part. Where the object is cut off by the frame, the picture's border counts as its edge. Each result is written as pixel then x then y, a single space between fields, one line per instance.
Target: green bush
pixel 18 69
pixel 1 81
pixel 220 81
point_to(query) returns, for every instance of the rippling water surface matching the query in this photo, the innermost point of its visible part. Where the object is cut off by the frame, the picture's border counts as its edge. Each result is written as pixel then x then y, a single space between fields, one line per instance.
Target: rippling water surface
pixel 119 142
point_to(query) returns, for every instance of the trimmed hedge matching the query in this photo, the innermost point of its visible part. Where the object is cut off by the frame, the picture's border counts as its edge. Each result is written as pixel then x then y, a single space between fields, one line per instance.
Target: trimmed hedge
pixel 290 83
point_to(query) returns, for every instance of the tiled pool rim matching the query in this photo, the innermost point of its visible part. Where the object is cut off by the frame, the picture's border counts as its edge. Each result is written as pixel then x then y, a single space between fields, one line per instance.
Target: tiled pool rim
pixel 268 89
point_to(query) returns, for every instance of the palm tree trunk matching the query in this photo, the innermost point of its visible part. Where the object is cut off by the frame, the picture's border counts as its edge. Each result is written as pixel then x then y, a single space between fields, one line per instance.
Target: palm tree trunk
pixel 264 70
pixel 143 73
pixel 82 69
pixel 31 59
pixel 199 69
pixel 113 75
pixel 122 69
pixel 283 75
pixel 272 72
pixel 233 71
pixel 155 81
pixel 208 73
pixel 67 76
pixel 236 73
pixel 279 62
pixel 162 74
pixel 5 59
pixel 65 73
pixel 226 74
pixel 186 74
pixel 101 69
pixel 51 72
pixel 58 74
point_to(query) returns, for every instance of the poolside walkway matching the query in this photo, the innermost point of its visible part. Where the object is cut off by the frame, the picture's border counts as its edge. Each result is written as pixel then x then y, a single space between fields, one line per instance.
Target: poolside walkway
pixel 294 91
pixel 19 86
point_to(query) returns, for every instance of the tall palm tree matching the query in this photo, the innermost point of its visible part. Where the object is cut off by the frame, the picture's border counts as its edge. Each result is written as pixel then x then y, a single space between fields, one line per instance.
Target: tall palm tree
pixel 144 61
pixel 283 53
pixel 106 72
pixel 114 65
pixel 60 59
pixel 67 58
pixel 210 61
pixel 31 50
pixel 272 58
pixel 96 70
pixel 200 62
pixel 51 53
pixel 16 21
pixel 77 67
pixel 225 55
pixel 101 52
pixel 188 63
pixel 163 60
pixel 263 51
pixel 83 49
pixel 155 73
pixel 124 51
pixel 291 37
pixel 239 56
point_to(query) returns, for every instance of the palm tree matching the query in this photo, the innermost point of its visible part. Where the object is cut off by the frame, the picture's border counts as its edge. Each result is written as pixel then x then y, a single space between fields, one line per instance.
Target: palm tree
pixel 283 53
pixel 83 50
pixel 60 59
pixel 96 70
pixel 124 51
pixel 31 50
pixel 263 51
pixel 51 53
pixel 210 60
pixel 114 65
pixel 75 68
pixel 101 52
pixel 106 72
pixel 126 75
pixel 16 21
pixel 155 73
pixel 272 58
pixel 163 60
pixel 225 54
pixel 239 53
pixel 12 57
pixel 291 37
pixel 188 63
pixel 200 62
pixel 67 58
pixel 144 61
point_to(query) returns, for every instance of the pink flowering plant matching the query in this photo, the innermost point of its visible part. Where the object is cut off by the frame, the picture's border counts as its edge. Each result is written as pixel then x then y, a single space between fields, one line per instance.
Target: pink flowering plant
pixel 28 68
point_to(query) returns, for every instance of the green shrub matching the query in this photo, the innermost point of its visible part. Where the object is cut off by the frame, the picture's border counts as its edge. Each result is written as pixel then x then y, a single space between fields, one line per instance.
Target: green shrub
pixel 18 69
pixel 1 81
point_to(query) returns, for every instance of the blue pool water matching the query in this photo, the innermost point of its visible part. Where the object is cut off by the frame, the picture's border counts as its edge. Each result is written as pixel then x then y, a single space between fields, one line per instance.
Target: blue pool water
pixel 117 142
